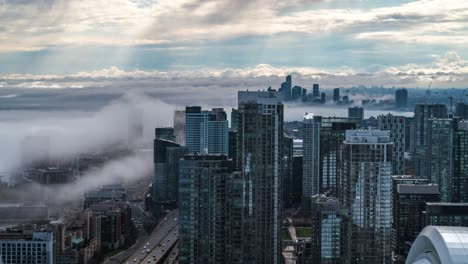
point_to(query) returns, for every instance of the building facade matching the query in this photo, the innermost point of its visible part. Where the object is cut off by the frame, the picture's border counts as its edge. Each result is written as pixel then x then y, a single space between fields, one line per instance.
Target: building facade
pixel 397 127
pixel 206 132
pixel 410 195
pixel 259 141
pixel 329 230
pixel 311 154
pixel 18 246
pixel 210 211
pixel 421 149
pixel 401 98
pixel 366 190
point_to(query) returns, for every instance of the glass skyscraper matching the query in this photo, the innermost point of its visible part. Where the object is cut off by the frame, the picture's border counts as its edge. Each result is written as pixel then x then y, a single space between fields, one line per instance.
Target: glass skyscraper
pixel 206 132
pixel 210 211
pixel 259 157
pixel 366 191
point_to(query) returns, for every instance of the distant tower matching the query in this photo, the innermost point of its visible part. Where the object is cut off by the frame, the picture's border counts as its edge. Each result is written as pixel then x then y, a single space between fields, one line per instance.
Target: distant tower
pixel 356 112
pixel 336 94
pixel 286 88
pixel 315 90
pixel 401 98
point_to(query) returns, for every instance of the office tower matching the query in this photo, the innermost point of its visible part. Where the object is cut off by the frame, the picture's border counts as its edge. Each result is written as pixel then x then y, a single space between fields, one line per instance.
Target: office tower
pixel 366 191
pixel 179 127
pixel 332 135
pixel 166 174
pixel 259 141
pixel 304 94
pixel 210 211
pixel 440 244
pixel 166 133
pixel 206 132
pixel 315 90
pixel 356 112
pixel 346 99
pixel 410 195
pixel 401 98
pixel 296 93
pixel 26 246
pixel 446 214
pixel 329 230
pixel 311 153
pixel 234 119
pixel 423 114
pixel 449 158
pixel 336 94
pixel 396 126
pixel 461 110
pixel 323 98
pixel 288 153
pixel 286 88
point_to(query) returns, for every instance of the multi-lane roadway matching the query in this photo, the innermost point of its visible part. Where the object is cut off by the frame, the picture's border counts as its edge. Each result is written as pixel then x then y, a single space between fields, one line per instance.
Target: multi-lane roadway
pixel 160 243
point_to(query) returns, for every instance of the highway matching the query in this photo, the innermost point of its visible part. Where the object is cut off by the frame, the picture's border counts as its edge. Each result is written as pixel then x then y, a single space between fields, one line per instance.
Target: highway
pixel 160 243
pixel 173 257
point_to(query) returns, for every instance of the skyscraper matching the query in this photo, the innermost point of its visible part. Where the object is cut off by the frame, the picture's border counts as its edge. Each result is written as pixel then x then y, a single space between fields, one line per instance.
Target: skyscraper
pixel 166 174
pixel 449 158
pixel 396 126
pixel 315 90
pixel 311 153
pixel 286 88
pixel 206 132
pixel 260 139
pixel 461 110
pixel 165 133
pixel 329 230
pixel 401 98
pixel 410 195
pixel 210 211
pixel 336 94
pixel 423 113
pixel 356 112
pixel 366 191
pixel 296 93
pixel 332 136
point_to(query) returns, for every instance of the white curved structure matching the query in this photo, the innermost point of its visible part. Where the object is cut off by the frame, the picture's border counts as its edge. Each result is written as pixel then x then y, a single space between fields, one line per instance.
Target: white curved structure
pixel 440 245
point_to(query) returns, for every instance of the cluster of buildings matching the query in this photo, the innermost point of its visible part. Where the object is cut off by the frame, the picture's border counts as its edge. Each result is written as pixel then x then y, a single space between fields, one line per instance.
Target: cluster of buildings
pixel 30 236
pixel 365 188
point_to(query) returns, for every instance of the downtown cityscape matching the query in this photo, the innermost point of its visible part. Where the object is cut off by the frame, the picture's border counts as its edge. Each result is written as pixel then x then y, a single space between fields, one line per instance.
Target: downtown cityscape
pixel 223 131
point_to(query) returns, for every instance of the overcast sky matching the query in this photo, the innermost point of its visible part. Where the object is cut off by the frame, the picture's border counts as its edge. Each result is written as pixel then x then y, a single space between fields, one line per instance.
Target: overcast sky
pixel 376 41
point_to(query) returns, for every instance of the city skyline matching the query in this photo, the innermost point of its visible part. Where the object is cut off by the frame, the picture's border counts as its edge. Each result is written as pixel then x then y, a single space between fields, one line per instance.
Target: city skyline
pixel 398 42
